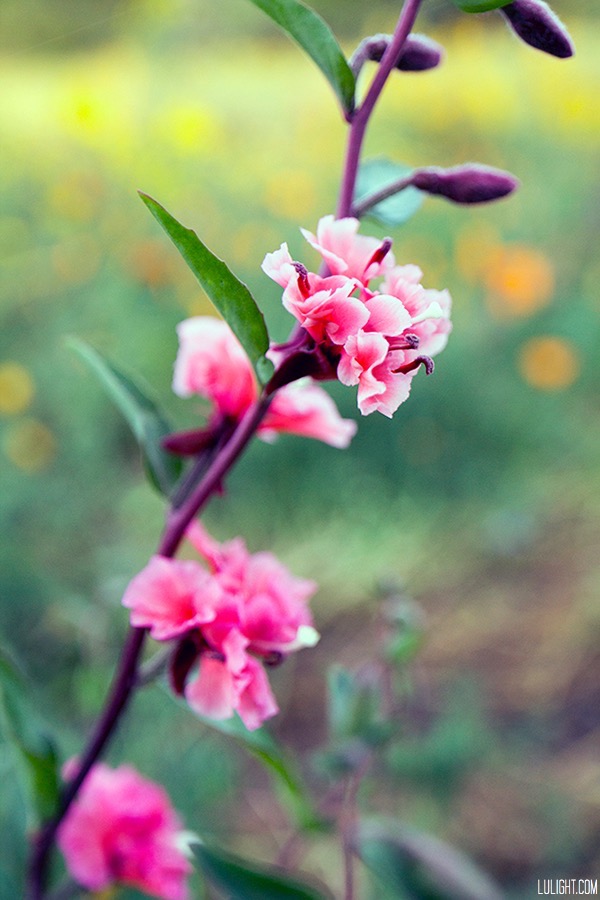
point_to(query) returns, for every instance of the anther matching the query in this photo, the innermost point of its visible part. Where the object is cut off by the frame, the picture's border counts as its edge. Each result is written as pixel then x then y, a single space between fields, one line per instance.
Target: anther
pixel 380 254
pixel 425 361
pixel 303 283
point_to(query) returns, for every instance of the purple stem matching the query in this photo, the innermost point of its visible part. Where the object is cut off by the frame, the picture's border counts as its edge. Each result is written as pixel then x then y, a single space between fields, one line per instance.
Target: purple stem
pixel 362 206
pixel 126 677
pixel 361 117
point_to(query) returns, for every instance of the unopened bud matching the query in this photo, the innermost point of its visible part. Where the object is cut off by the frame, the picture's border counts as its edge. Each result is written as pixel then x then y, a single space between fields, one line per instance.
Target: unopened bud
pixel 418 54
pixel 537 25
pixel 472 183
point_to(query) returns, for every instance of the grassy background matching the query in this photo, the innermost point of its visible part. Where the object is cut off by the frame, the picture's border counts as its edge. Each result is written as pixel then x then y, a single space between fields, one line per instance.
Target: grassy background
pixel 482 496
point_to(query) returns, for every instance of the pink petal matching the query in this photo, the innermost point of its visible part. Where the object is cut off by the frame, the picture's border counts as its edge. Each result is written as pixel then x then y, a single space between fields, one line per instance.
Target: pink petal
pixel 212 693
pixel 387 315
pixel 256 701
pixel 171 597
pixel 211 363
pixel 307 410
pixel 279 266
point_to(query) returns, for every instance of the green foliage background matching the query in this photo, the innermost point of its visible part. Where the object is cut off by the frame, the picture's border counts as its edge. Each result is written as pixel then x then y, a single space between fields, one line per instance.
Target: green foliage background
pixel 482 496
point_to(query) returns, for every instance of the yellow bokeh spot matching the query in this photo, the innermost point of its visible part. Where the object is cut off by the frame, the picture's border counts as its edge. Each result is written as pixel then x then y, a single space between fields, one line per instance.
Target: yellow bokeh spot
pixel 520 280
pixel 16 388
pixel 549 363
pixel 190 129
pixel 30 445
pixel 291 193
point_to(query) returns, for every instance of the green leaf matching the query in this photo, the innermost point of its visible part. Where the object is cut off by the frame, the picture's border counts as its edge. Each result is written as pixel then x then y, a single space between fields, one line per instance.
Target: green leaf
pixel 419 866
pixel 375 174
pixel 265 748
pixel 35 751
pixel 230 296
pixel 141 413
pixel 479 6
pixel 309 30
pixel 243 880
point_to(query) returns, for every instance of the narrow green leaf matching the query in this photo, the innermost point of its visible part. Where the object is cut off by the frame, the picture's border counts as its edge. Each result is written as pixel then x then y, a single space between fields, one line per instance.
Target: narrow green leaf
pixel 309 30
pixel 265 748
pixel 243 880
pixel 375 174
pixel 418 865
pixel 141 413
pixel 35 751
pixel 479 6
pixel 230 296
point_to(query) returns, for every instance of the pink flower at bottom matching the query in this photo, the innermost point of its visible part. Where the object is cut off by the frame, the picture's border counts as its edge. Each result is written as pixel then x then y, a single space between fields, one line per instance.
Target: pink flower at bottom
pixel 122 829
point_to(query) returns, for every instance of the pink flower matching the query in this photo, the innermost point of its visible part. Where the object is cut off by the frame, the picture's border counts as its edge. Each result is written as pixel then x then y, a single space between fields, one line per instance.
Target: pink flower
pixel 429 309
pixel 324 306
pixel 242 609
pixel 348 253
pixel 305 409
pixel 170 597
pixel 211 363
pixel 373 338
pixel 273 614
pixel 121 829
pixel 369 362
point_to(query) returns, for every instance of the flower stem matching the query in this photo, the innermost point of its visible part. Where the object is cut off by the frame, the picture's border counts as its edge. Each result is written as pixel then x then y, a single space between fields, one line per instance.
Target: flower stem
pixel 126 679
pixel 361 117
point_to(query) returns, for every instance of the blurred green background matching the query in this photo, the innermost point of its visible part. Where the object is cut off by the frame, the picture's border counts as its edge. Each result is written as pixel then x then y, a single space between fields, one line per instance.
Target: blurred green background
pixel 481 496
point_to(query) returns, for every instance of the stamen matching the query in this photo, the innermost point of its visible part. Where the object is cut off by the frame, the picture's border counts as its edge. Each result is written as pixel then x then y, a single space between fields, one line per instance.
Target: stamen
pixel 303 283
pixel 408 341
pixel 433 311
pixel 425 361
pixel 380 254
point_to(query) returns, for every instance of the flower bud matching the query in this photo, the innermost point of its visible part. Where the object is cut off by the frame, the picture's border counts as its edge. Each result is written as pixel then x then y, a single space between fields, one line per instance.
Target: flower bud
pixel 472 183
pixel 536 24
pixel 418 54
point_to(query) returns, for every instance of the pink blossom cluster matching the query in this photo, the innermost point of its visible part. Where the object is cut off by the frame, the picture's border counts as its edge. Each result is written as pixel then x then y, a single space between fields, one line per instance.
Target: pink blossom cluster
pixel 122 829
pixel 230 616
pixel 211 363
pixel 376 338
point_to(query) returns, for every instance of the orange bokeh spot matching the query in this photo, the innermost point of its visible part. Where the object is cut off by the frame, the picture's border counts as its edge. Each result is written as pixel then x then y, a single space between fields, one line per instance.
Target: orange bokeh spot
pixel 549 363
pixel 520 280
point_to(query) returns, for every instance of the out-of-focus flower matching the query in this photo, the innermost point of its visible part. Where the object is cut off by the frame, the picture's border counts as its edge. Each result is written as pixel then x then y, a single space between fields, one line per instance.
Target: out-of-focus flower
pixel 122 829
pixel 228 618
pixel 211 363
pixel 375 338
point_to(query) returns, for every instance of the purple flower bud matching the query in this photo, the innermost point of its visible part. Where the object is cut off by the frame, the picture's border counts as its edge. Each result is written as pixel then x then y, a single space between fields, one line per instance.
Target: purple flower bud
pixel 537 25
pixel 471 183
pixel 419 54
